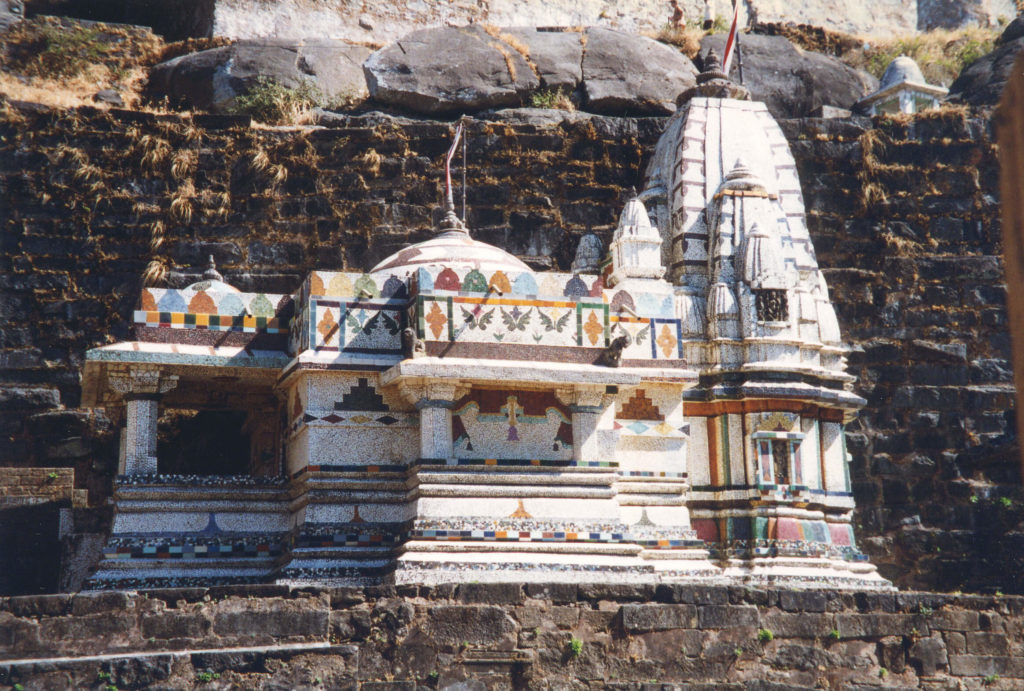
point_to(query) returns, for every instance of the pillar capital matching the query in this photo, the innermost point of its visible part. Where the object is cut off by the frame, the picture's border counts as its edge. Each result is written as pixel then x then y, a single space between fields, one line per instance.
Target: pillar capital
pixel 585 397
pixel 140 381
pixel 433 394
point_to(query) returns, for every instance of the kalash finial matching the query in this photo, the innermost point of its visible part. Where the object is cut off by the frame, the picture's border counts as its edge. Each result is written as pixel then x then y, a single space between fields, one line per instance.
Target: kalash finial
pixel 450 222
pixel 713 82
pixel 211 273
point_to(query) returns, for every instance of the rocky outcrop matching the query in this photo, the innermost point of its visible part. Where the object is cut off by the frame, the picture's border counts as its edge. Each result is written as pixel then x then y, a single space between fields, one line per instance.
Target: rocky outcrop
pixel 793 82
pixel 981 83
pixel 213 79
pixel 624 73
pixel 469 69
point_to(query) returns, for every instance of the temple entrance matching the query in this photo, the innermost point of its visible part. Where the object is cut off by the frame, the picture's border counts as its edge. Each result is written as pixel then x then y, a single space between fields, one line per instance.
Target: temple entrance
pixel 202 442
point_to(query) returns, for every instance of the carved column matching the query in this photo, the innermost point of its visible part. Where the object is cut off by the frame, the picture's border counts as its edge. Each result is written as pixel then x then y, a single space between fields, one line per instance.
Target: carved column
pixel 435 401
pixel 141 388
pixel 586 404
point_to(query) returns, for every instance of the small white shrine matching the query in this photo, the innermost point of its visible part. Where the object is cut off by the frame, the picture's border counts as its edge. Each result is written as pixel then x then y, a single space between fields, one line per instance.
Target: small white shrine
pixel 671 410
pixel 903 89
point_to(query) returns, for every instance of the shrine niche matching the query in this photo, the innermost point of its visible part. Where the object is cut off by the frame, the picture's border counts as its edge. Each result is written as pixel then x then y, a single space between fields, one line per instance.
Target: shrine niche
pixel 671 410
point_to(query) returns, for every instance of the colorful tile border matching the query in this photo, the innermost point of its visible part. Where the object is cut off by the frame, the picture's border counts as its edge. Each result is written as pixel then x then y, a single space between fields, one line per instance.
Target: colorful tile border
pixel 209 322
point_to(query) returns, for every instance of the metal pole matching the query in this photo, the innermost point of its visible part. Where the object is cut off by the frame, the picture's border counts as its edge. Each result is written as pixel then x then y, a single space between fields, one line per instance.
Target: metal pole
pixel 465 135
pixel 739 52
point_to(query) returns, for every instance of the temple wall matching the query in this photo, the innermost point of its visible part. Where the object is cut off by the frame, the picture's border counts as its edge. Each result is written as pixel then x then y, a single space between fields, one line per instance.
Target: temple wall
pixel 477 636
pixel 904 217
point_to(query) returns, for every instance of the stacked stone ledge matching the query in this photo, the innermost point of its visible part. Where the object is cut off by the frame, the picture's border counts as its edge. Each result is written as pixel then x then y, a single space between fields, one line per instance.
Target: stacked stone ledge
pixel 505 634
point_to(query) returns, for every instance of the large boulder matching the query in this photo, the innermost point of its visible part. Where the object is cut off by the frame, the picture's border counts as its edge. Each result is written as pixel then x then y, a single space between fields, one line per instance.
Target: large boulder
pixel 449 69
pixel 213 79
pixel 630 74
pixel 557 56
pixel 469 69
pixel 793 82
pixel 981 83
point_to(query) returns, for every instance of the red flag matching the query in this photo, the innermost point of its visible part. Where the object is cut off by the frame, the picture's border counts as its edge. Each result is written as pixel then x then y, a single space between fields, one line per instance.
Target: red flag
pixel 730 43
pixel 448 160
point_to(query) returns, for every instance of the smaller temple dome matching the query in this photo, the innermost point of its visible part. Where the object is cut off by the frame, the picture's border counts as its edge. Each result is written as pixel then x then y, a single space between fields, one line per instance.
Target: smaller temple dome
pixel 636 245
pixel 902 70
pixel 451 247
pixel 588 255
pixel 763 263
pixel 741 177
pixel 212 281
pixel 635 221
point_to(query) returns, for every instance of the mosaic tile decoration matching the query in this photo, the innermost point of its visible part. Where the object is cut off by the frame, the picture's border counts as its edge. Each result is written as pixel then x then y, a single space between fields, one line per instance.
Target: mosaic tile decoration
pixel 507 423
pixel 352 418
pixel 362 326
pixel 653 474
pixel 515 463
pixel 215 302
pixel 333 536
pixel 193 548
pixel 649 428
pixel 512 320
pixel 743 537
pixel 527 530
pixel 209 322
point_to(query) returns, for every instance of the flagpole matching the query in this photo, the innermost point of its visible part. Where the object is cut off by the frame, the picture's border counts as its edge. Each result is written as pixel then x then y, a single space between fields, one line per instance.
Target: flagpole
pixel 464 138
pixel 739 54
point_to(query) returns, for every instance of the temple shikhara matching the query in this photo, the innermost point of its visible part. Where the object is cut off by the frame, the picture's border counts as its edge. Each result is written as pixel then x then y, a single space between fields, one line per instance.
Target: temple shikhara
pixel 672 409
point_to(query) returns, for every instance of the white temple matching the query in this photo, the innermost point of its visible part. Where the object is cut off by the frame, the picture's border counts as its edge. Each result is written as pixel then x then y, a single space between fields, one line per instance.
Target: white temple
pixel 903 89
pixel 453 415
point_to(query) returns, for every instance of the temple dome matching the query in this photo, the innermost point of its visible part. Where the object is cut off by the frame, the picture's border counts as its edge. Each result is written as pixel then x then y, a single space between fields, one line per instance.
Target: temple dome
pixel 901 70
pixel 451 247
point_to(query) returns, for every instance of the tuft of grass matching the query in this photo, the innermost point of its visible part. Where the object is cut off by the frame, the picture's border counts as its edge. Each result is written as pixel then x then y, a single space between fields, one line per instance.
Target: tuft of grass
pixel 835 635
pixel 765 635
pixel 559 99
pixel 275 104
pixel 575 647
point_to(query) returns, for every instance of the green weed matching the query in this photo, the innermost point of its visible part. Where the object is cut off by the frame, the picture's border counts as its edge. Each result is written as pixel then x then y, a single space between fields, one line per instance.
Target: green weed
pixel 559 99
pixel 275 104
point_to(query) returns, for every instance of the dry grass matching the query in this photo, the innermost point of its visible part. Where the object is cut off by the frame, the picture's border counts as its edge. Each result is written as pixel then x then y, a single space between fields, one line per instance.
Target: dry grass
pixel 370 161
pixel 685 38
pixel 942 54
pixel 62 64
pixel 75 91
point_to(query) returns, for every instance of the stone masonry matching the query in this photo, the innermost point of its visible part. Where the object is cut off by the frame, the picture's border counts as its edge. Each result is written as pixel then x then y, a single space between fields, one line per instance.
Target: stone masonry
pixel 503 636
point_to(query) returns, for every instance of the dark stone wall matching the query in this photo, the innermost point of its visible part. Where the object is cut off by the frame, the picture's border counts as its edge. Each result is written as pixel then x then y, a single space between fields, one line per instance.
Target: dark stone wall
pixel 904 215
pixel 512 636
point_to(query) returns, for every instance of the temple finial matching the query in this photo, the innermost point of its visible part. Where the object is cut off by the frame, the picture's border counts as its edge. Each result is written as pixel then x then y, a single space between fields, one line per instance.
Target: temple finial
pixel 211 273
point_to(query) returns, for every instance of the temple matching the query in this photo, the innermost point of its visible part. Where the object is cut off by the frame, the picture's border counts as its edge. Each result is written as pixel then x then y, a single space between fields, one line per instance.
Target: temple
pixel 903 89
pixel 670 410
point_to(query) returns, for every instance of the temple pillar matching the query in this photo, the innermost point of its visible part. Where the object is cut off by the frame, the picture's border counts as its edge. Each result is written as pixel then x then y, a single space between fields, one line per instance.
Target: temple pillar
pixel 435 401
pixel 586 405
pixel 141 388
